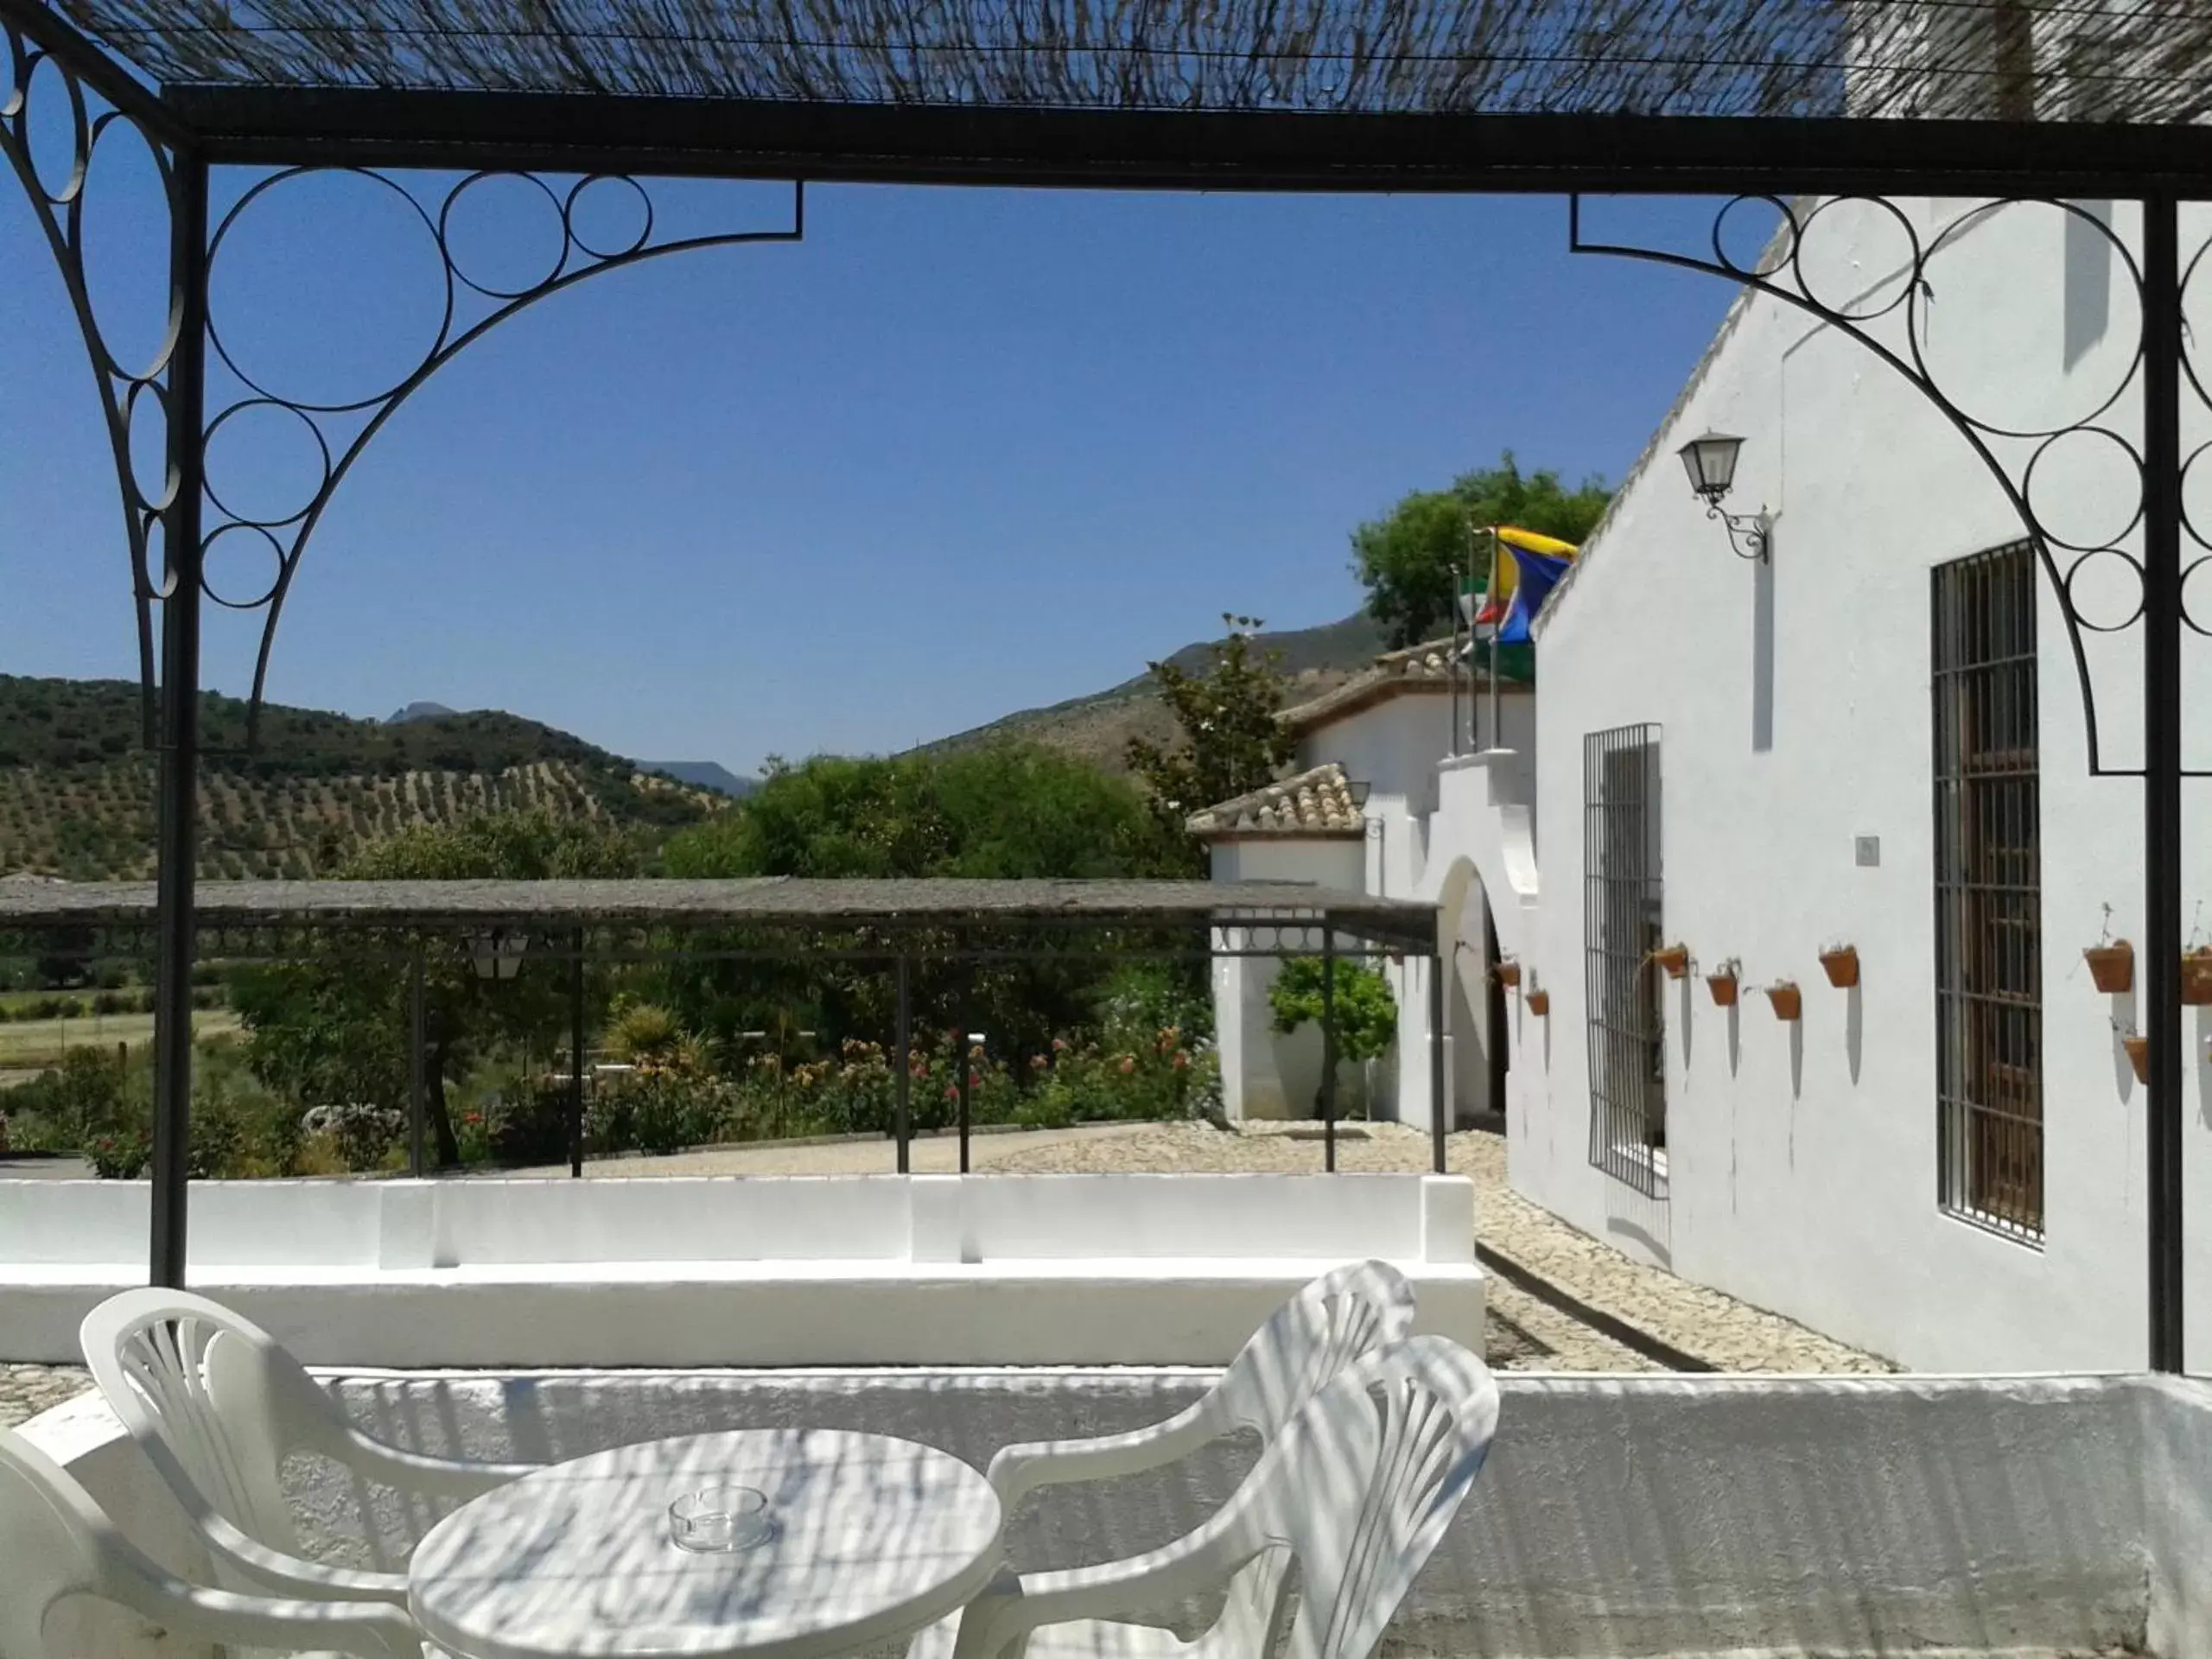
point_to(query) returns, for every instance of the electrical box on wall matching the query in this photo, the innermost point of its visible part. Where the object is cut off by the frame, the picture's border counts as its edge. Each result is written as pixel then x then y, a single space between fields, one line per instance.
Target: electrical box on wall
pixel 1870 852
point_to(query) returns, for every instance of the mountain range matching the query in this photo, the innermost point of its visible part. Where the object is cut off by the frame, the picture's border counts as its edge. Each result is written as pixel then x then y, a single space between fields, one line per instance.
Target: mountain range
pixel 76 787
pixel 1098 727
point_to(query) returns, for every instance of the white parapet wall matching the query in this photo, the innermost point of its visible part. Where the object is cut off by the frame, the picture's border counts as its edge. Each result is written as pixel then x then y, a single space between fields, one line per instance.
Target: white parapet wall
pixel 1616 1518
pixel 781 1270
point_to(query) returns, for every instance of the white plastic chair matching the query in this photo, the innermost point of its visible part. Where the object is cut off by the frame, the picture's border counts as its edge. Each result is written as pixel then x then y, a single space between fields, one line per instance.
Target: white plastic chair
pixel 1340 1318
pixel 1356 1490
pixel 217 1404
pixel 55 1543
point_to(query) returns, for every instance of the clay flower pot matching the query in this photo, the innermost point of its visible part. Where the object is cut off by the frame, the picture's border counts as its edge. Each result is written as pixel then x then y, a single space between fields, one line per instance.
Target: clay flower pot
pixel 2112 966
pixel 1540 1002
pixel 1841 966
pixel 2138 1056
pixel 1723 987
pixel 1675 959
pixel 1788 1001
pixel 2196 976
pixel 1508 974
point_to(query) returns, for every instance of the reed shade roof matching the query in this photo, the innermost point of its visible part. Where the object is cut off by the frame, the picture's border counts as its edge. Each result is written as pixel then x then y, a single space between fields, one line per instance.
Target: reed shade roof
pixel 2141 61
pixel 769 901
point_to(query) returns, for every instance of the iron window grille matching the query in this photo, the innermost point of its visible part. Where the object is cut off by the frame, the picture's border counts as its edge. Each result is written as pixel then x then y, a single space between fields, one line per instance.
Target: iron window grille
pixel 1622 918
pixel 1988 893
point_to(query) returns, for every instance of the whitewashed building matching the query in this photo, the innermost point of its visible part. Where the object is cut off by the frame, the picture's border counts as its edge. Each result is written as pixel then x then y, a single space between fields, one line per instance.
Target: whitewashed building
pixel 1357 815
pixel 1875 741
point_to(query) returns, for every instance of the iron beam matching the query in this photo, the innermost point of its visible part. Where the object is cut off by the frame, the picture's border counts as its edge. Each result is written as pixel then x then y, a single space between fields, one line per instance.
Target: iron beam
pixel 177 848
pixel 2162 770
pixel 1187 149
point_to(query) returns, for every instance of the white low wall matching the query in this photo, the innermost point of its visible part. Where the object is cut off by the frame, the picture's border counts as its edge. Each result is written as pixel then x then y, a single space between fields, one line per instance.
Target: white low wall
pixel 1617 1517
pixel 786 1270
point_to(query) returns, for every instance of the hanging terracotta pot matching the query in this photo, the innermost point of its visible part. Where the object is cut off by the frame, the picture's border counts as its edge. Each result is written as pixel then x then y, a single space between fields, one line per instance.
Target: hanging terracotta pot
pixel 1508 973
pixel 2112 966
pixel 1674 958
pixel 1788 1001
pixel 1723 986
pixel 1841 966
pixel 2138 1056
pixel 2196 976
pixel 1540 1002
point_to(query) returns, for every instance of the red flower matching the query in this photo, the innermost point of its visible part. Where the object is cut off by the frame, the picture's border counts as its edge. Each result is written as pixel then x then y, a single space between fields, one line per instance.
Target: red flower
pixel 952 1091
pixel 1128 1062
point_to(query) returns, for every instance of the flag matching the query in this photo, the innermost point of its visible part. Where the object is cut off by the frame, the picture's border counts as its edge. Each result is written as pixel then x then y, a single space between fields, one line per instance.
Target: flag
pixel 1507 541
pixel 1539 574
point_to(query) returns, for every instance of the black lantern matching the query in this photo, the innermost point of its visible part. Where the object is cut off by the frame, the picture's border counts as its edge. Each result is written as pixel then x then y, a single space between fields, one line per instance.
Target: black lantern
pixel 1711 462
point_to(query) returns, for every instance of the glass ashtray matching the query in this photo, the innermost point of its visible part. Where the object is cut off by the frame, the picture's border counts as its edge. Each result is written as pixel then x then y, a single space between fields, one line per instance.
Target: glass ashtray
pixel 719 1519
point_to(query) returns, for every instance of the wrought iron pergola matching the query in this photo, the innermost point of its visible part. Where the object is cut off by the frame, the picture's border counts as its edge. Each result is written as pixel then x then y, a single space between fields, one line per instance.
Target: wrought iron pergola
pixel 2013 100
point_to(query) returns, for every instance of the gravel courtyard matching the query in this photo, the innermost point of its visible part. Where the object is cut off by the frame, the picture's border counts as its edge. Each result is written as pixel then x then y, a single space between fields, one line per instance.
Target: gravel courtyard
pixel 1527 1332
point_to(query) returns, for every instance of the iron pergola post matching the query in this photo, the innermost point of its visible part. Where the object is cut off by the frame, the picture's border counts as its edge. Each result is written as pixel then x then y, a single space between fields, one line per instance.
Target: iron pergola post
pixel 577 1058
pixel 901 1075
pixel 1437 1126
pixel 176 789
pixel 2163 346
pixel 1328 1047
pixel 417 1025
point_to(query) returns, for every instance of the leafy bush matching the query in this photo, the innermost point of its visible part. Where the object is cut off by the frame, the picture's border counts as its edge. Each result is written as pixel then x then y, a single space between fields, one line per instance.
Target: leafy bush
pixel 529 1125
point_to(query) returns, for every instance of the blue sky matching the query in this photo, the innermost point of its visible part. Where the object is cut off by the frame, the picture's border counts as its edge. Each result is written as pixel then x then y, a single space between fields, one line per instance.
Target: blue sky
pixel 956 454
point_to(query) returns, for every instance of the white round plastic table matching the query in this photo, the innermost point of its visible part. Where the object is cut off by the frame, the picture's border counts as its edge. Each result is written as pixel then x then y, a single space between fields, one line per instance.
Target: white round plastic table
pixel 871 1539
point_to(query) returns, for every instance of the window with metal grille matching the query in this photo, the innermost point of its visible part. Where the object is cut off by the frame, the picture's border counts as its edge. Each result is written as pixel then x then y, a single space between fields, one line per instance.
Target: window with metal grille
pixel 1988 893
pixel 1621 935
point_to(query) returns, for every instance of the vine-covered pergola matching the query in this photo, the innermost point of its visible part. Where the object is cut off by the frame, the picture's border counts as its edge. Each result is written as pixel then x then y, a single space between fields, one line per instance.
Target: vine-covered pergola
pixel 2008 99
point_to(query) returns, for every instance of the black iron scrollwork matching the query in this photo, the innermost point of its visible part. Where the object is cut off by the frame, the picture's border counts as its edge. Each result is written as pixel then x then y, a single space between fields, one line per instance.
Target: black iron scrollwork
pixel 56 186
pixel 471 305
pixel 1890 320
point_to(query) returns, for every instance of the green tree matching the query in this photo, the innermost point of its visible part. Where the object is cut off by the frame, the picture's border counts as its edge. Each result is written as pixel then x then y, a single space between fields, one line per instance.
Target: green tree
pixel 1003 811
pixel 1364 1015
pixel 335 1030
pixel 1229 742
pixel 1411 559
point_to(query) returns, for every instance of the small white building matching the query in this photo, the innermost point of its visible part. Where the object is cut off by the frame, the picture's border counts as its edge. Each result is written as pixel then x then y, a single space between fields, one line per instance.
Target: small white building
pixel 1356 816
pixel 1877 740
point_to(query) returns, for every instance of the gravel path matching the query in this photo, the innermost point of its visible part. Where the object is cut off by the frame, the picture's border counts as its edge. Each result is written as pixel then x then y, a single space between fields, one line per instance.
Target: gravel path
pixel 1525 1334
pixel 25 1390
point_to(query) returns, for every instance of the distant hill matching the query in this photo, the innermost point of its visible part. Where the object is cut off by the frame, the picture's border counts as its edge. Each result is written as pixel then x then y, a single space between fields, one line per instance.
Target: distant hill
pixel 77 791
pixel 702 774
pixel 1098 727
pixel 419 711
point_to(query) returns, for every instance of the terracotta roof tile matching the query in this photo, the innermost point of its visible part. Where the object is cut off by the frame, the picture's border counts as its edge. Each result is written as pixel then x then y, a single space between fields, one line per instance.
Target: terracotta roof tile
pixel 1316 803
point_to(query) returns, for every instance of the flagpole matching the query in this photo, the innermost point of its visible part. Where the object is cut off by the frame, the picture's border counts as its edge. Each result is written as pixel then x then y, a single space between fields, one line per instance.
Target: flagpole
pixel 1496 738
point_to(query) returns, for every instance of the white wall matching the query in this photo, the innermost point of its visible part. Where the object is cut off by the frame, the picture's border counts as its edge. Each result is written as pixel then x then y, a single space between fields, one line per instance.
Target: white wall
pixel 1796 704
pixel 772 1270
pixel 1617 1517
pixel 1263 1074
pixel 1401 747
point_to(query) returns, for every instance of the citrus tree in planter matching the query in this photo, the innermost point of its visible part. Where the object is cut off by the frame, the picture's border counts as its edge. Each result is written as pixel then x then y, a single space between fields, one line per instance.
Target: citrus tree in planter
pixel 1366 1016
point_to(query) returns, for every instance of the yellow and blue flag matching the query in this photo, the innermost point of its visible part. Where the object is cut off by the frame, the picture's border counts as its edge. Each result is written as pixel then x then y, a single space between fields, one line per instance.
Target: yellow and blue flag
pixel 1525 566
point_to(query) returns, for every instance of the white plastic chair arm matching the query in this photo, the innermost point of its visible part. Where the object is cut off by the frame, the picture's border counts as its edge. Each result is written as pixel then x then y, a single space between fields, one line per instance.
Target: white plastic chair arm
pixel 1014 1604
pixel 459 1478
pixel 295 1575
pixel 1017 1471
pixel 366 1630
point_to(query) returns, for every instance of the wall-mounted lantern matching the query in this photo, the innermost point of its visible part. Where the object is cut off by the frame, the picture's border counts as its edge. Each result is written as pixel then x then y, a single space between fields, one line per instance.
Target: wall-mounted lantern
pixel 1711 462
